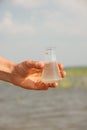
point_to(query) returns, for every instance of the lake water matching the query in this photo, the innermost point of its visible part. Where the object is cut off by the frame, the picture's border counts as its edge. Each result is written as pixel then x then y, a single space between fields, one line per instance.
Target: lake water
pixel 54 109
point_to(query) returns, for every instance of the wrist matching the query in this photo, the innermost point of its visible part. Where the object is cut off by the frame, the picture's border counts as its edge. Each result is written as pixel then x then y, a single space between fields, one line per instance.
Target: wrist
pixel 6 68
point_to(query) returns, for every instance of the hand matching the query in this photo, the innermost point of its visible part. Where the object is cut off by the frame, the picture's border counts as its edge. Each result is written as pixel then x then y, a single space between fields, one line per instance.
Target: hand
pixel 28 75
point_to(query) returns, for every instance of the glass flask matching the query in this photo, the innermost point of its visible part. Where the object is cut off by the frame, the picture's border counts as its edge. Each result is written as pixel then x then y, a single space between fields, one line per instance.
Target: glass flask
pixel 50 72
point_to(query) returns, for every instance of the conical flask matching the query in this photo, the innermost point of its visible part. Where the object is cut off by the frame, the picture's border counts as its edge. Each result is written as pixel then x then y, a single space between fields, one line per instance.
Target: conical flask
pixel 50 72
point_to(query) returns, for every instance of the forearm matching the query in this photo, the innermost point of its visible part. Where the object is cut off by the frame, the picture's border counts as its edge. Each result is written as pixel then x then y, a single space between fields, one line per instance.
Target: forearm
pixel 6 68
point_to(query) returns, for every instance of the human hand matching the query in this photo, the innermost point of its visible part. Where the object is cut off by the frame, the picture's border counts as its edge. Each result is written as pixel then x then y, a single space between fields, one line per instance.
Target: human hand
pixel 28 75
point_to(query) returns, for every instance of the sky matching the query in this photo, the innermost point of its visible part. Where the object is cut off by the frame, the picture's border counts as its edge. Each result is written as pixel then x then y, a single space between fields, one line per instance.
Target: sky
pixel 28 27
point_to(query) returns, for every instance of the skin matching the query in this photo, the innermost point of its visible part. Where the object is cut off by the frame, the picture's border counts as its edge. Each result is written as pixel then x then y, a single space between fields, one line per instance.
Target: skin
pixel 26 74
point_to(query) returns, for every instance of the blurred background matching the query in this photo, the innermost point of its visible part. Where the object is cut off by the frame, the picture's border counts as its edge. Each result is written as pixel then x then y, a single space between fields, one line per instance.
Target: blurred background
pixel 27 27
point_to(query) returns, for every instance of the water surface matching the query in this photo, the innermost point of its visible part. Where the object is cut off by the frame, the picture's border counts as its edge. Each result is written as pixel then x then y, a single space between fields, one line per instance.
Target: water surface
pixel 54 109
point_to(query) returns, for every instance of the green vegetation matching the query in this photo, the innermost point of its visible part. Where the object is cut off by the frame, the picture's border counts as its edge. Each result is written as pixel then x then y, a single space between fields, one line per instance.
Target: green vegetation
pixel 76 71
pixel 76 76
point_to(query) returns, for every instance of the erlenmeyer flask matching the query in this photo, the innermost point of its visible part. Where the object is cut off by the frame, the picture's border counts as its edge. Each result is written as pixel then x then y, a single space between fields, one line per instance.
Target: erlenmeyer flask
pixel 50 72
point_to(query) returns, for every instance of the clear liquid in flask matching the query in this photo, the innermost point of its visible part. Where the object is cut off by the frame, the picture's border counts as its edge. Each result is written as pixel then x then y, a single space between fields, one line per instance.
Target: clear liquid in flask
pixel 50 72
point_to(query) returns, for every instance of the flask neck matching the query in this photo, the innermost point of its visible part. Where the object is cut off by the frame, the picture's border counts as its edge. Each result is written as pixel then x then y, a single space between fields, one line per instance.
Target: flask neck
pixel 50 55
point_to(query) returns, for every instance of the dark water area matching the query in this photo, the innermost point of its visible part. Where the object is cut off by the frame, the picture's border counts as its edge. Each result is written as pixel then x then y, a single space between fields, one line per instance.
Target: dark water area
pixel 54 109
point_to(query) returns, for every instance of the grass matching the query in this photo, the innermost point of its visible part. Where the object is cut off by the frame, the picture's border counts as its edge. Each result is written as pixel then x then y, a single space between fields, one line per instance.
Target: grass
pixel 76 71
pixel 76 76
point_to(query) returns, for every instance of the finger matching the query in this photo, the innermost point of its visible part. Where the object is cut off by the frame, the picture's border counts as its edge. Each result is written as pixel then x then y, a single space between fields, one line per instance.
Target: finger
pixel 53 85
pixel 29 84
pixel 45 86
pixel 63 74
pixel 34 64
pixel 60 66
pixel 41 86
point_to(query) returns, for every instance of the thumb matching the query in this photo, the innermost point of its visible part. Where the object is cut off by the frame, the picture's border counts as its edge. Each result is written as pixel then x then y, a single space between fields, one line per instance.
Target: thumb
pixel 33 64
